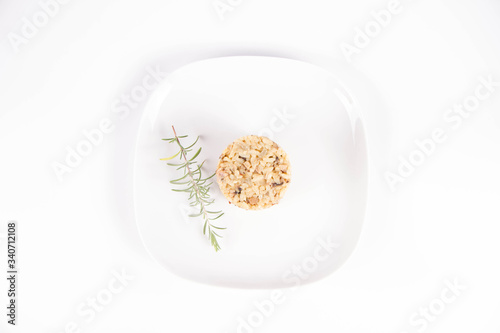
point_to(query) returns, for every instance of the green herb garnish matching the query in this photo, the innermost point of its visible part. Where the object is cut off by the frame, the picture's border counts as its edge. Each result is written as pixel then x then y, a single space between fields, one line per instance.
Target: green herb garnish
pixel 196 186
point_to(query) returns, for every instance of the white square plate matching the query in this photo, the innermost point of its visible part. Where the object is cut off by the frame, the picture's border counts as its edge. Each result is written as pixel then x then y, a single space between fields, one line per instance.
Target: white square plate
pixel 310 115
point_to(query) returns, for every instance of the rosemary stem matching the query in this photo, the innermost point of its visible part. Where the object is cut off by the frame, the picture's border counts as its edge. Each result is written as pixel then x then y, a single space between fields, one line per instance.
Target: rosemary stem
pixel 190 173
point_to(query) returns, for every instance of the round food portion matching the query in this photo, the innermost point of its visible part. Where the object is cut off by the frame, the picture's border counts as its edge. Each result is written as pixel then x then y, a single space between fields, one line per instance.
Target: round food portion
pixel 253 172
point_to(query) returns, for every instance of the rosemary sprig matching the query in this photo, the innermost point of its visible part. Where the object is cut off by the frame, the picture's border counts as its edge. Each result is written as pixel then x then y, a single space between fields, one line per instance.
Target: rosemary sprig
pixel 195 185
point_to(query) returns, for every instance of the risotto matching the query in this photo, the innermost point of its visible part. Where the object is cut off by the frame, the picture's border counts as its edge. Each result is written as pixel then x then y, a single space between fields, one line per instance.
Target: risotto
pixel 253 172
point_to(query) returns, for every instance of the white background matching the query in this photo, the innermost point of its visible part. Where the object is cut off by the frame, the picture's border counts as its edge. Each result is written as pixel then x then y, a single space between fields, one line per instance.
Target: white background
pixel 440 224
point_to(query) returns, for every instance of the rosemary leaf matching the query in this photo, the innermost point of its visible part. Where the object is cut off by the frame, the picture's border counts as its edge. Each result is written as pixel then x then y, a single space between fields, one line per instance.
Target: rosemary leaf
pixel 195 185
